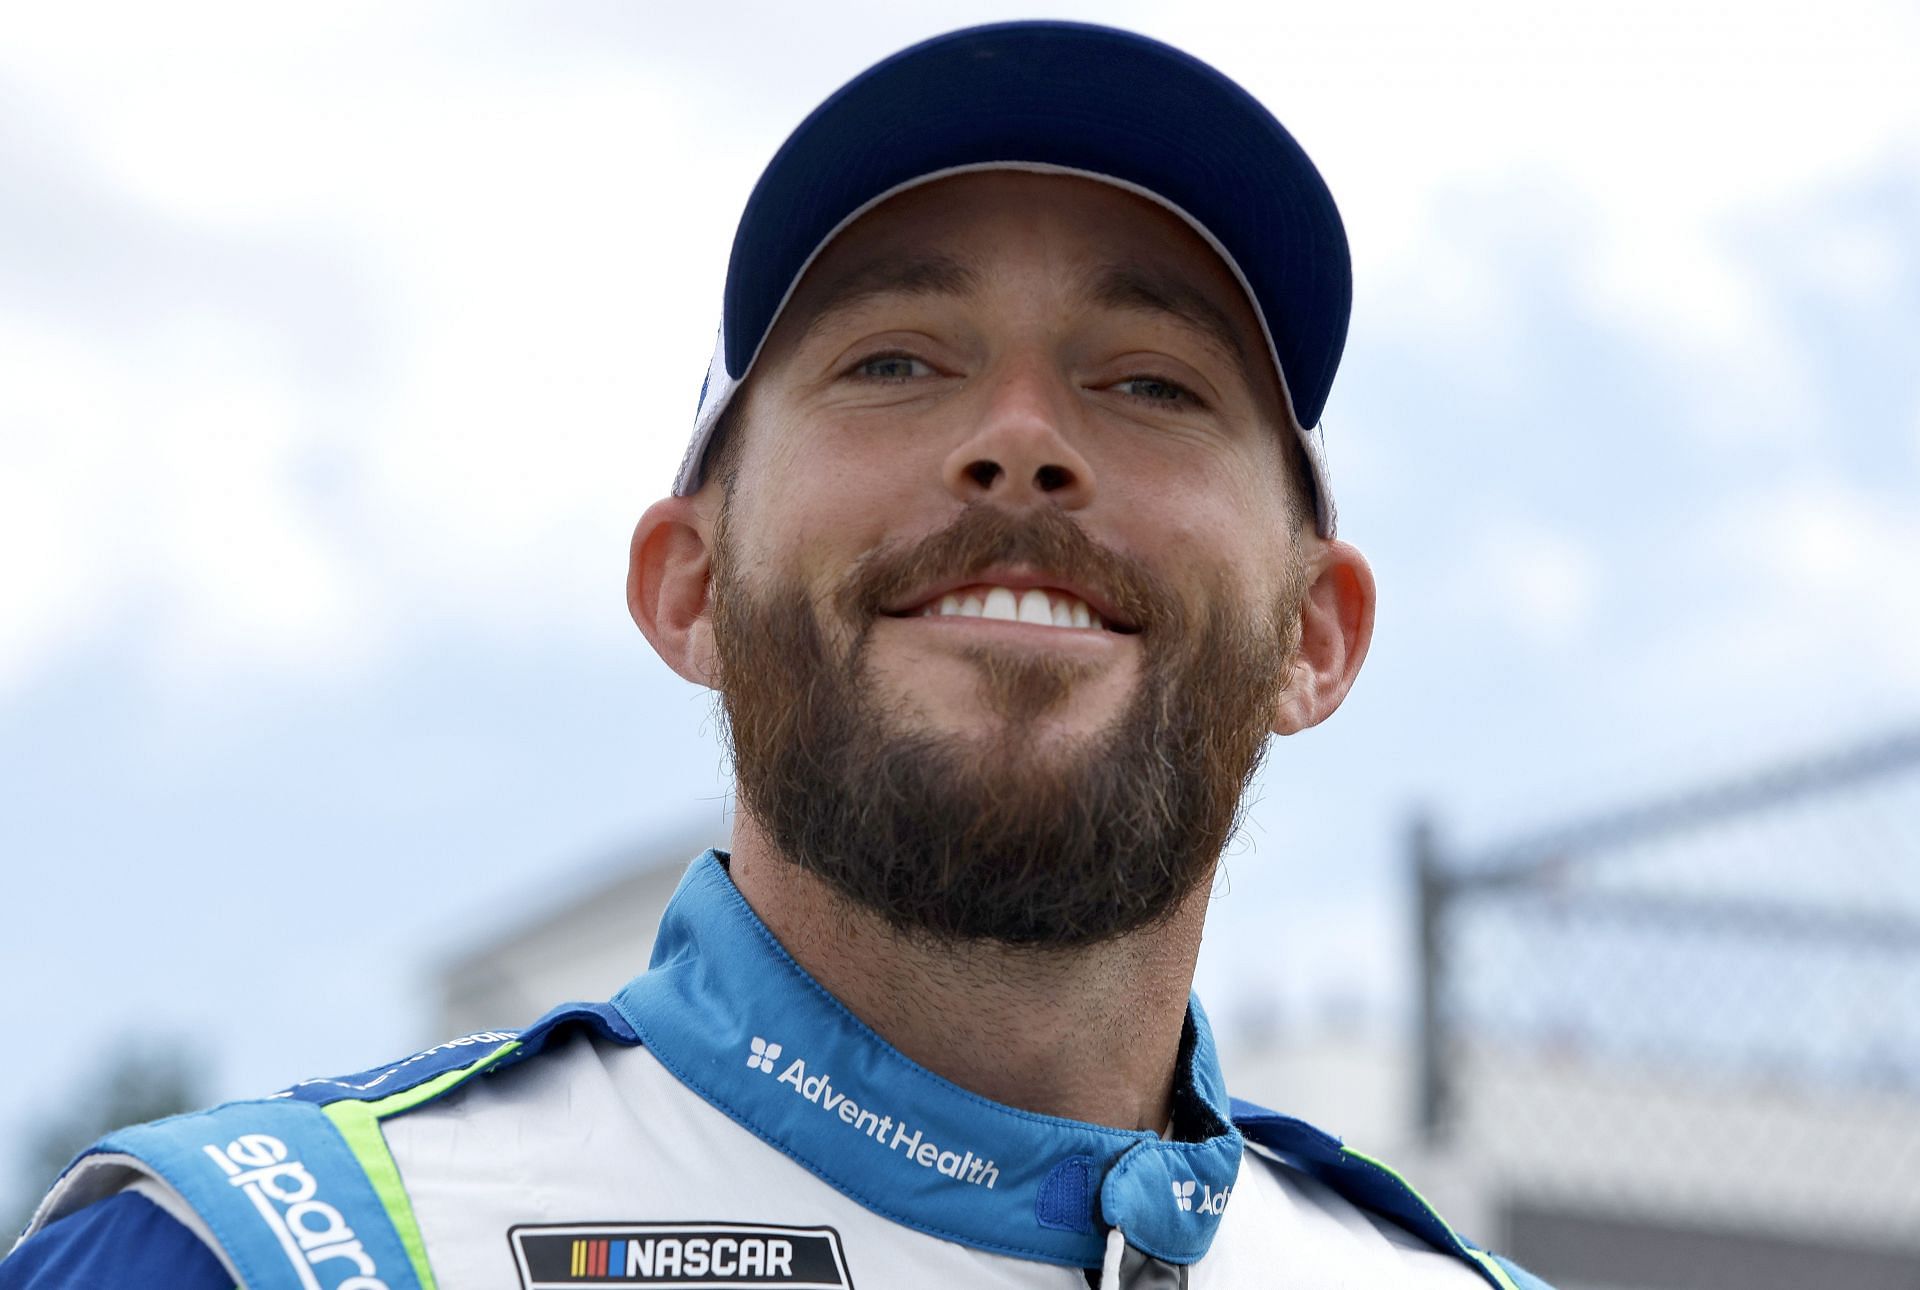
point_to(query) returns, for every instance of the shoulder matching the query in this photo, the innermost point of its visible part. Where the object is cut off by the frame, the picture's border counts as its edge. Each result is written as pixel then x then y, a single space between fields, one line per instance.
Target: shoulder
pixel 272 1188
pixel 395 1086
pixel 123 1240
pixel 1281 1215
pixel 1365 1197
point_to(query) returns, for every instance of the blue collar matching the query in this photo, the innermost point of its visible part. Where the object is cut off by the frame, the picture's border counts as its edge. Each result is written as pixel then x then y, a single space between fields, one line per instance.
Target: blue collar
pixel 728 1011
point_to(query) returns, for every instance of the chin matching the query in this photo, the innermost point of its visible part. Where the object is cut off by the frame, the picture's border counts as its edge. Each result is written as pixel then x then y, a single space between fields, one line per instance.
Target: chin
pixel 979 712
pixel 991 692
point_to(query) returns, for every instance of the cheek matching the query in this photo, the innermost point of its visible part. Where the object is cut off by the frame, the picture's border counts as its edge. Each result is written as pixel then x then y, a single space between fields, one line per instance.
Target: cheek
pixel 1239 471
pixel 1212 536
pixel 822 498
pixel 804 446
pixel 803 528
pixel 1183 523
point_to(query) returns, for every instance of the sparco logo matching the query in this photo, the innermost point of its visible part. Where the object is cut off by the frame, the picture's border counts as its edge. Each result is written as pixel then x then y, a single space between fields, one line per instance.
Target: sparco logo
pixel 318 1243
pixel 678 1254
pixel 1210 1201
pixel 898 1136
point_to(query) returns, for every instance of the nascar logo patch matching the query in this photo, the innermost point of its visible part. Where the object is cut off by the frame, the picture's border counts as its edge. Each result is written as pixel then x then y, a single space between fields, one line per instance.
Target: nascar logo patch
pixel 714 1255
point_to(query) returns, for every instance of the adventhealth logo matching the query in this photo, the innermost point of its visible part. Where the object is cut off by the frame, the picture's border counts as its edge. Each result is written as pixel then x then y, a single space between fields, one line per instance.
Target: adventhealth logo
pixel 1210 1201
pixel 763 1055
pixel 309 1230
pixel 895 1135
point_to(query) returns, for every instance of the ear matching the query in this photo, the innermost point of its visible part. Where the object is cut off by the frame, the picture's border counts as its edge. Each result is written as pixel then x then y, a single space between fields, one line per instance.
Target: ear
pixel 669 579
pixel 1336 626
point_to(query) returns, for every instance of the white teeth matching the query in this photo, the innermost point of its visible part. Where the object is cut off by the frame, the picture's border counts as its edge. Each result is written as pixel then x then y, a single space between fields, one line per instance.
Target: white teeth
pixel 1034 605
pixel 1001 604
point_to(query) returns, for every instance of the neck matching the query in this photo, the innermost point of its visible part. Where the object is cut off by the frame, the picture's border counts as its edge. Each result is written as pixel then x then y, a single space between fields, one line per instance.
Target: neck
pixel 1090 1034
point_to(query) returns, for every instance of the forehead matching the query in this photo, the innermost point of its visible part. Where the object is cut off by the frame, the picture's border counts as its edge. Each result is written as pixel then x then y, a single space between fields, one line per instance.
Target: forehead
pixel 947 237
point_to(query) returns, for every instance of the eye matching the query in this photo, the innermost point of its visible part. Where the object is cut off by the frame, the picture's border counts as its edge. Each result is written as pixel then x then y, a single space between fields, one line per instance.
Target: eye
pixel 1157 389
pixel 891 368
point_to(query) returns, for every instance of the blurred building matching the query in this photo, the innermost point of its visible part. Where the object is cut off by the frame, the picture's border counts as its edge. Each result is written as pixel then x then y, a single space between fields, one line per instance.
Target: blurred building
pixel 1677 1048
pixel 585 945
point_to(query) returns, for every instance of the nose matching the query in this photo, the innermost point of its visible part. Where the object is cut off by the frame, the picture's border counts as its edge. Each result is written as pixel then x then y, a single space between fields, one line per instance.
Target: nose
pixel 1017 452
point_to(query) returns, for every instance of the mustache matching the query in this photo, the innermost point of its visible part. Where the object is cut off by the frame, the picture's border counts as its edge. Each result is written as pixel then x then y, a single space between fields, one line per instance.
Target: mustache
pixel 983 536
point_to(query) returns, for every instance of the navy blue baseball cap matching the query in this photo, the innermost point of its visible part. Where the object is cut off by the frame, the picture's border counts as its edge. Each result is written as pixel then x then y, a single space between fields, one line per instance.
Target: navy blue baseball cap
pixel 1067 98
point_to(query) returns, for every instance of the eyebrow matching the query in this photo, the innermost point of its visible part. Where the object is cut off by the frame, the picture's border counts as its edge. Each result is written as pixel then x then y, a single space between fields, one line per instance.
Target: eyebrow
pixel 1143 290
pixel 1116 286
pixel 926 273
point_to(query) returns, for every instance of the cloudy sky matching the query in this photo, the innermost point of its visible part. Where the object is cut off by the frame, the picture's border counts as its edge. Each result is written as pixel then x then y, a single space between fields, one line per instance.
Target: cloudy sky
pixel 341 345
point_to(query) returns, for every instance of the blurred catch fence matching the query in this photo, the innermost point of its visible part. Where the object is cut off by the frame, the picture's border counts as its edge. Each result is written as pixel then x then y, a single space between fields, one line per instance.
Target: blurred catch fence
pixel 1679 1046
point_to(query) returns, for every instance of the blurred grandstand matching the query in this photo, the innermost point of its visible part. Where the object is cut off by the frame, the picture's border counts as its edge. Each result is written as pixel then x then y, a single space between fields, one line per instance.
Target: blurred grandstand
pixel 1679 1046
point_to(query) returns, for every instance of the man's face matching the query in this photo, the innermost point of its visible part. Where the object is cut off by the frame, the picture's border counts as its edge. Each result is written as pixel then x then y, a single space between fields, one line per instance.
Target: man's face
pixel 1007 390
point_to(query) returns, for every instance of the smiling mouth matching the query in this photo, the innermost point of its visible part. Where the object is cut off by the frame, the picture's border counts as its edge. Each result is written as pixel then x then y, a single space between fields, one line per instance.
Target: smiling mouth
pixel 1033 606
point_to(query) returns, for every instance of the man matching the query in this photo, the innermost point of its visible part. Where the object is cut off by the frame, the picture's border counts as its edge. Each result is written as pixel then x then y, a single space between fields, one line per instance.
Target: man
pixel 1004 540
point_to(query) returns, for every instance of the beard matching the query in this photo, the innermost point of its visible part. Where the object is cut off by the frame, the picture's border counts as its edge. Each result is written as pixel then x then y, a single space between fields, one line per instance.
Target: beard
pixel 998 838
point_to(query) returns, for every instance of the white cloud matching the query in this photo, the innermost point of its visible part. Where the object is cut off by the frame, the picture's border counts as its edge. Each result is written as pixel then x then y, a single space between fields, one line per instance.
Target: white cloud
pixel 1790 612
pixel 172 514
pixel 1662 129
pixel 1913 420
pixel 1824 575
pixel 542 296
pixel 1527 578
pixel 244 562
pixel 1856 261
pixel 51 582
